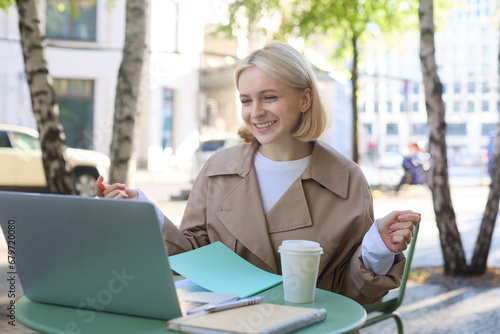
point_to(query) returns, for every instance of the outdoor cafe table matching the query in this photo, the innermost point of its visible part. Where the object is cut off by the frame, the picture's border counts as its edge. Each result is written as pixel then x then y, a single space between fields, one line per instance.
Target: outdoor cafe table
pixel 343 316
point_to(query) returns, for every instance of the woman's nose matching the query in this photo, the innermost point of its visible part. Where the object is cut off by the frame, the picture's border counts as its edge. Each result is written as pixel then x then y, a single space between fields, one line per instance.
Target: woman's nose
pixel 257 110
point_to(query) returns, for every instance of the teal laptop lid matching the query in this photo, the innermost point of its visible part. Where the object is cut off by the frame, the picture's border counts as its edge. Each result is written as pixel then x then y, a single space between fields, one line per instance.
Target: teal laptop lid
pixel 89 253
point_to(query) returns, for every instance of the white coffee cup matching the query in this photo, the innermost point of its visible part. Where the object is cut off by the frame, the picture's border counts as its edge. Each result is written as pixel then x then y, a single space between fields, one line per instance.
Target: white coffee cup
pixel 299 266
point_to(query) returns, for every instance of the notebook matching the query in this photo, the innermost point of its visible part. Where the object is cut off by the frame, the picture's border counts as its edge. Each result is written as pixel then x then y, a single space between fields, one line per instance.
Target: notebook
pixel 259 318
pixel 95 254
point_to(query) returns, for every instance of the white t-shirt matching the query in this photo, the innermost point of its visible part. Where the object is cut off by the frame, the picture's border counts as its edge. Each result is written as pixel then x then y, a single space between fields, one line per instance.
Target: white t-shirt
pixel 275 177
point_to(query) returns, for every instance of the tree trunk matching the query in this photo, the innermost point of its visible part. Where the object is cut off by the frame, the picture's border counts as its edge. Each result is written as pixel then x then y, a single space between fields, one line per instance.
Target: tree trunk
pixel 354 100
pixel 451 244
pixel 43 101
pixel 128 89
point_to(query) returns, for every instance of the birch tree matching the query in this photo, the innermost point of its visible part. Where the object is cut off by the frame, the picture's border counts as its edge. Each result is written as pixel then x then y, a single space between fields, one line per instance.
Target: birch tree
pixel 43 101
pixel 128 89
pixel 453 254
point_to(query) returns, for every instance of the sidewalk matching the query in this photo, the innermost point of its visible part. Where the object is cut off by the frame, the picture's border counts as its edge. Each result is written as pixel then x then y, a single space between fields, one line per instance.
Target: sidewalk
pixel 432 308
pixel 426 308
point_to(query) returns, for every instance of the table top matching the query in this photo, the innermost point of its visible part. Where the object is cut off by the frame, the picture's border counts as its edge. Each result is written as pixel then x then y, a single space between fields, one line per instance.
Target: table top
pixel 343 316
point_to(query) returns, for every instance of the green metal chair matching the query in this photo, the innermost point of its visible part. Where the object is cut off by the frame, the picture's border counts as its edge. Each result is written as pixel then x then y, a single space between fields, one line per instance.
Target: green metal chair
pixel 388 308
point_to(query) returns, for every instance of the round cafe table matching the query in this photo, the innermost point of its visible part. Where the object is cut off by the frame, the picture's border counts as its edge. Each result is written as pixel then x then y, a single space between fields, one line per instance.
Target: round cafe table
pixel 343 316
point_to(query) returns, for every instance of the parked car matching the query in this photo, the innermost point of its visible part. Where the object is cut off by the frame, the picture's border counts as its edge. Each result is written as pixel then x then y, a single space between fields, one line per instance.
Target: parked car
pixel 209 144
pixel 21 166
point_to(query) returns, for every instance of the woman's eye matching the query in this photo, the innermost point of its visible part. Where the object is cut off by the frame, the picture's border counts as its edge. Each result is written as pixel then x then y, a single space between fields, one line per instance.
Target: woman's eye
pixel 245 101
pixel 270 98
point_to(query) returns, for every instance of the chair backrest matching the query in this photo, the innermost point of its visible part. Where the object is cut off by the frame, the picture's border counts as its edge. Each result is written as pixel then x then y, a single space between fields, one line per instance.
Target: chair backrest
pixel 406 273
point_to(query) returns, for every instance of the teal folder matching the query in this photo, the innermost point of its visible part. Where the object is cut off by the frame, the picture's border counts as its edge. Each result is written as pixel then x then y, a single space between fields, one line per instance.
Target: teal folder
pixel 217 268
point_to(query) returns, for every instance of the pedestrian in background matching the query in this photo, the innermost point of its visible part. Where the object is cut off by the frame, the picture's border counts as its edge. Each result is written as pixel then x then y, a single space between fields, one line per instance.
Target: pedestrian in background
pixel 414 166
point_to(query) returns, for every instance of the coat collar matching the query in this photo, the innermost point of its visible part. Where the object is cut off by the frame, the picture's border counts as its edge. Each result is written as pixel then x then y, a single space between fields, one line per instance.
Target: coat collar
pixel 329 168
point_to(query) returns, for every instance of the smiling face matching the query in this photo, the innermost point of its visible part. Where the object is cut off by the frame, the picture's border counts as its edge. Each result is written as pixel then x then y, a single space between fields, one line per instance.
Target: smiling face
pixel 271 111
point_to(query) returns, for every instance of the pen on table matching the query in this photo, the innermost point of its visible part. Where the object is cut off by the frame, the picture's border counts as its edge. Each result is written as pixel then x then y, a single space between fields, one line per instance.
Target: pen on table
pixel 234 304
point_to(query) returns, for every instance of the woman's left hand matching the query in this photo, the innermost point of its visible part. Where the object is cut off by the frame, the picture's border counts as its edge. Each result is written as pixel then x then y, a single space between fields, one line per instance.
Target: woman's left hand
pixel 397 228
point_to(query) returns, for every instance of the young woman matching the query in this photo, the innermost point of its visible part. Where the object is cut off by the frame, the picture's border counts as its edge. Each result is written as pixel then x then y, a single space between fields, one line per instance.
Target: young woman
pixel 283 183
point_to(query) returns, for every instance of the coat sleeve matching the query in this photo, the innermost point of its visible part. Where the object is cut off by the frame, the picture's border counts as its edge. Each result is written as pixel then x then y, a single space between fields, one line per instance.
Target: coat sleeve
pixel 367 288
pixel 192 232
pixel 351 278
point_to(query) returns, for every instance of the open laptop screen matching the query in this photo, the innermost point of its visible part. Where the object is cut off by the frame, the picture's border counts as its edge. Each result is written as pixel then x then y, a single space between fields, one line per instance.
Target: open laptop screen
pixel 89 253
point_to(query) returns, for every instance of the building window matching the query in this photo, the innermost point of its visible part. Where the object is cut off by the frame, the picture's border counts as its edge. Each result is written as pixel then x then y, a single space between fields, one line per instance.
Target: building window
pixel 485 106
pixel 389 107
pixel 485 68
pixel 402 106
pixel 391 129
pixel 470 106
pixel 416 88
pixel 76 108
pixel 367 128
pixel 167 111
pixel 456 106
pixel 420 129
pixel 444 88
pixel 486 51
pixel 415 106
pixel 164 26
pixel 375 107
pixel 459 129
pixel 488 128
pixel 61 24
pixel 456 88
pixel 486 87
pixel 471 87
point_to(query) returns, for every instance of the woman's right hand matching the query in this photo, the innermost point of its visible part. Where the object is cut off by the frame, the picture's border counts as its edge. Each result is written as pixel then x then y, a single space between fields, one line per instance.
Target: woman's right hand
pixel 115 190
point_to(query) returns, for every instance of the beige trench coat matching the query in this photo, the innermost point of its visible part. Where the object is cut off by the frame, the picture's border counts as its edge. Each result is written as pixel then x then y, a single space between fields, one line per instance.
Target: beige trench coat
pixel 330 203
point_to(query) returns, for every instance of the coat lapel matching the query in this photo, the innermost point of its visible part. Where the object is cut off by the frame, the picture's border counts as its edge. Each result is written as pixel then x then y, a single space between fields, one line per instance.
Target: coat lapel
pixel 245 219
pixel 240 210
pixel 291 211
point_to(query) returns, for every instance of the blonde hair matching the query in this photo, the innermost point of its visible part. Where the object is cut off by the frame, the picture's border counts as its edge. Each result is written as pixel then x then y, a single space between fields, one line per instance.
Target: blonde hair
pixel 284 63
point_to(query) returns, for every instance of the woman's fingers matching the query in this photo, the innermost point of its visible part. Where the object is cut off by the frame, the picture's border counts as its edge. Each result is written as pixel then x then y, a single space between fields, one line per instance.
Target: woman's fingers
pixel 99 187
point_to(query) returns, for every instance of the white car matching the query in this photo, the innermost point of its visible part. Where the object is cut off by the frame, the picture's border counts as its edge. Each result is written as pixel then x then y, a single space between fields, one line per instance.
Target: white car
pixel 209 144
pixel 21 166
pixel 390 160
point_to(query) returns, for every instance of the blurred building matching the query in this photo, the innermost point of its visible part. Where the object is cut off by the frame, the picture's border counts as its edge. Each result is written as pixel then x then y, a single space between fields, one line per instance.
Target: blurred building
pixel 84 56
pixel 392 104
pixel 187 88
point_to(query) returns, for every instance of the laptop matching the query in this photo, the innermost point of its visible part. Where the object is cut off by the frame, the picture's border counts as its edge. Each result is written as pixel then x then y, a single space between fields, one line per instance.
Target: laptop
pixel 95 254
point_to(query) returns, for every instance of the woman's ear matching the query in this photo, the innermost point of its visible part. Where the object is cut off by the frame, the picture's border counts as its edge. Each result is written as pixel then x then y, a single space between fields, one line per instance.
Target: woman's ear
pixel 306 100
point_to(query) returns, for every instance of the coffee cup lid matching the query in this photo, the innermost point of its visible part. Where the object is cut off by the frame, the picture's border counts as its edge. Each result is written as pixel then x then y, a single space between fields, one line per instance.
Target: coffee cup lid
pixel 300 246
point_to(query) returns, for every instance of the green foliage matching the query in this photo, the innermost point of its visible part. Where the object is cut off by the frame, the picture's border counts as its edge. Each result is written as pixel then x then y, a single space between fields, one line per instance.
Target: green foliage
pixel 245 15
pixel 333 22
pixel 73 6
pixel 4 4
pixel 341 21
